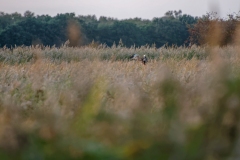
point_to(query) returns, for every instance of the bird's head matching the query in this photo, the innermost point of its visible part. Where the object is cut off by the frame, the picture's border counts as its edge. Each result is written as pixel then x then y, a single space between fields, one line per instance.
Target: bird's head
pixel 144 55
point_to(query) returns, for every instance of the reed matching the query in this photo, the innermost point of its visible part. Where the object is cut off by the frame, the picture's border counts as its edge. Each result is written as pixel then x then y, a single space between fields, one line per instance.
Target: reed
pixel 94 103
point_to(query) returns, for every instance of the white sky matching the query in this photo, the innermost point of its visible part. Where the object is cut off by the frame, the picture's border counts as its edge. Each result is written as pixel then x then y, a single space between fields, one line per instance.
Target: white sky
pixel 121 9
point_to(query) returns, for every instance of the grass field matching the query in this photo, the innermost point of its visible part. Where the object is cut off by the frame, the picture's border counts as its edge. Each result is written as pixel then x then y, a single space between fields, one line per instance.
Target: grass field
pixel 94 103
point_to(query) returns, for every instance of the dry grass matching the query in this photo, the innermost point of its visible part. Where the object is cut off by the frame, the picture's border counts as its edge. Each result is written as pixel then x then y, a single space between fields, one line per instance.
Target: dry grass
pixel 93 103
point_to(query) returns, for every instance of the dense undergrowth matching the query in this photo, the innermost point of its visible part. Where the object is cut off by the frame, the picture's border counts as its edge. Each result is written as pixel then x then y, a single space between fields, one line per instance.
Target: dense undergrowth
pixel 94 103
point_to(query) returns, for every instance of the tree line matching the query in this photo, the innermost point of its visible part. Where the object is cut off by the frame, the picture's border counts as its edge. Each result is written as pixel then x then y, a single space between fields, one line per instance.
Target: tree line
pixel 28 29
pixel 174 28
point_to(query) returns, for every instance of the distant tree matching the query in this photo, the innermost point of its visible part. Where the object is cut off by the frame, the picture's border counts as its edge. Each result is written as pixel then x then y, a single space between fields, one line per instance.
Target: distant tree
pixel 9 19
pixel 28 14
pixel 172 29
pixel 213 30
pixel 174 14
pixel 128 32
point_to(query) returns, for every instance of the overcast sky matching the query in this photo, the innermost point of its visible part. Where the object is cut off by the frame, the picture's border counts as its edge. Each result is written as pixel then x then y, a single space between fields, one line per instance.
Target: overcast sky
pixel 120 9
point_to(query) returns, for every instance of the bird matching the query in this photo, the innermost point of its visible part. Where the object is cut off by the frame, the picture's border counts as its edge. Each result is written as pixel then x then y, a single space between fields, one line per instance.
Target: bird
pixel 134 57
pixel 144 59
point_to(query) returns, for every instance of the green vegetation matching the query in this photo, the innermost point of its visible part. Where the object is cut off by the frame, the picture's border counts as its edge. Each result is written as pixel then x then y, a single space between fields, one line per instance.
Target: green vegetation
pixel 92 102
pixel 28 29
pixel 174 28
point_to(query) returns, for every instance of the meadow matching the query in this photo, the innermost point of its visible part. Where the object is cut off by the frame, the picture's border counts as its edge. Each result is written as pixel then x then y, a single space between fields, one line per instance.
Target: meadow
pixel 93 102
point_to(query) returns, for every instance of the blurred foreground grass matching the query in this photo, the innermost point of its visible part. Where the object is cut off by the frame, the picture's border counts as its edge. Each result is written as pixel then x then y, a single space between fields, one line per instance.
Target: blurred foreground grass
pixel 93 103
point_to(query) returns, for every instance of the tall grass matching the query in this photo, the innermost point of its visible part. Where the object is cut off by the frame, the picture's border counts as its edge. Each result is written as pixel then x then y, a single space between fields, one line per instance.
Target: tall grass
pixel 94 103
pixel 19 55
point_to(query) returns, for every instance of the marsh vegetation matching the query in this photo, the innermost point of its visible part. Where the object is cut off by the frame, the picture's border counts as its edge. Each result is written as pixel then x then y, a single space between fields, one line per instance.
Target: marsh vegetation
pixel 92 102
